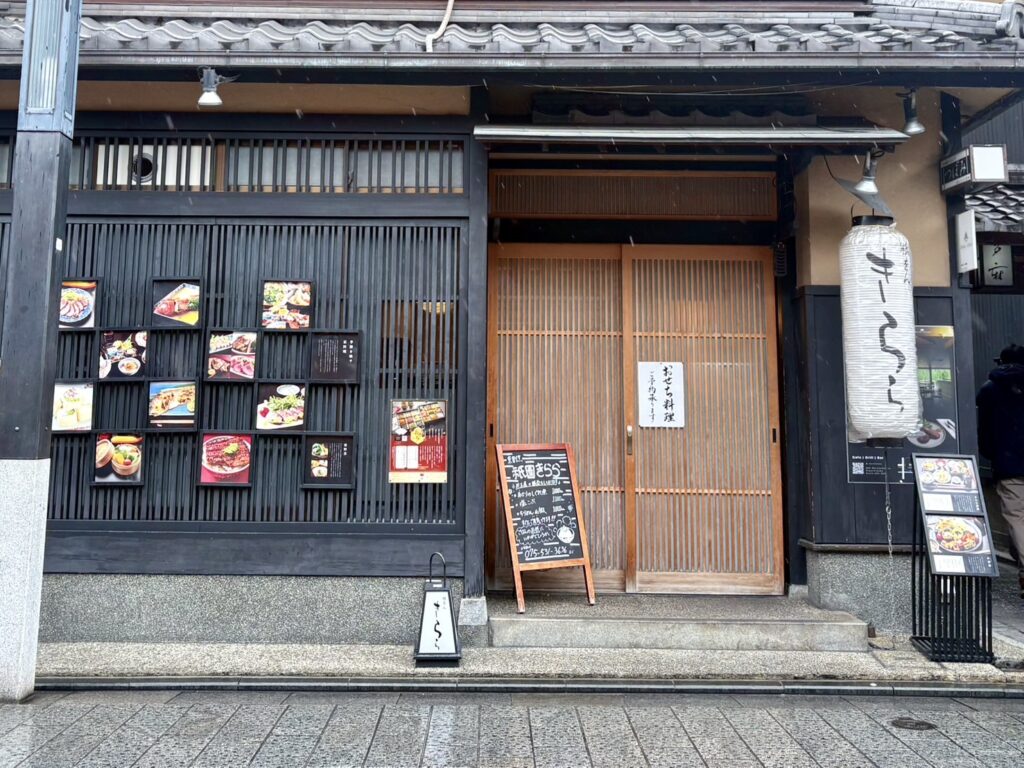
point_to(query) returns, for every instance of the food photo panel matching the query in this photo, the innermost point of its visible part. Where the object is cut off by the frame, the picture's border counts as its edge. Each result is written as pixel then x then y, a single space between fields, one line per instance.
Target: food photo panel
pixel 286 305
pixel 118 459
pixel 172 405
pixel 280 407
pixel 225 459
pixel 72 407
pixel 123 354
pixel 78 304
pixel 231 356
pixel 328 461
pixel 176 302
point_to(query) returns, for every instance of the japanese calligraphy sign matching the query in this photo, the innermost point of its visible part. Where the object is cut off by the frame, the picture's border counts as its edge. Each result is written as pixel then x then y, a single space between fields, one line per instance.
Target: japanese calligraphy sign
pixel 997 265
pixel 542 511
pixel 661 392
pixel 879 345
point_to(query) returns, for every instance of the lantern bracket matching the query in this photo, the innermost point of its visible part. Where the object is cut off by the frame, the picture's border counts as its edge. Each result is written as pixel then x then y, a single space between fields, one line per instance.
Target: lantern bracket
pixel 444 569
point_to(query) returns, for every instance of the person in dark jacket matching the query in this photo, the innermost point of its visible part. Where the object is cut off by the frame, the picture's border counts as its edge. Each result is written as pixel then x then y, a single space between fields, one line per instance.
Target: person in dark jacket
pixel 1001 440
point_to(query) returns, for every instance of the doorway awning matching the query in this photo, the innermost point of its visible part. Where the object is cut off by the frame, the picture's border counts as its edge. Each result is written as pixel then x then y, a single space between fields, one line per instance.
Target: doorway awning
pixel 850 137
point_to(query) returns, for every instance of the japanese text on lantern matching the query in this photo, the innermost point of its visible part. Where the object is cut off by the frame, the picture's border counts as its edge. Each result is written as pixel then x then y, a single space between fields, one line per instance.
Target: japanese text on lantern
pixel 884 266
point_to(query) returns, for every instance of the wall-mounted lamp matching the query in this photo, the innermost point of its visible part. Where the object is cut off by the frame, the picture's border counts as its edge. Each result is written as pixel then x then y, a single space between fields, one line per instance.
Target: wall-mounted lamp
pixel 211 80
pixel 911 125
pixel 866 190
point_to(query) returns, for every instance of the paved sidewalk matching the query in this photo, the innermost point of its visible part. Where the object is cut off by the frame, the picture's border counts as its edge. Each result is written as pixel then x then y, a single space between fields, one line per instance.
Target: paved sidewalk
pixel 159 729
pixel 1008 609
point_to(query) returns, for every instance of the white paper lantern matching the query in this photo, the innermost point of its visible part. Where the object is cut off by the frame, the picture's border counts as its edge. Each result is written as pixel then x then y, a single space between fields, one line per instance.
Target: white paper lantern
pixel 883 399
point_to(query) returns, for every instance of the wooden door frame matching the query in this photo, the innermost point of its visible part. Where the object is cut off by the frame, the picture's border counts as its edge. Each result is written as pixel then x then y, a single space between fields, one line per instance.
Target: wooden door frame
pixel 742 584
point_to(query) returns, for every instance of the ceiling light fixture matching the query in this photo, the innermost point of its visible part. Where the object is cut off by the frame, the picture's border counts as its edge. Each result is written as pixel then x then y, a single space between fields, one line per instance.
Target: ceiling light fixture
pixel 211 80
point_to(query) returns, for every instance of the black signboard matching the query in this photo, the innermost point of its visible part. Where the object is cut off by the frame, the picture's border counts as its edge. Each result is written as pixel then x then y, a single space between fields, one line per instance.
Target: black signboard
pixel 956 529
pixel 334 357
pixel 541 499
pixel 328 460
pixel 936 378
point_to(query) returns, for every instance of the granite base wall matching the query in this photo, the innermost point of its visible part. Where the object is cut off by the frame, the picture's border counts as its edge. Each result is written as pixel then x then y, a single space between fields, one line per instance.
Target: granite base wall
pixel 232 609
pixel 872 587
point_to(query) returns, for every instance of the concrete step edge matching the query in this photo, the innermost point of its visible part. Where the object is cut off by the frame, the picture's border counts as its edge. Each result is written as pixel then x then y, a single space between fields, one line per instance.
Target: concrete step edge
pixel 632 621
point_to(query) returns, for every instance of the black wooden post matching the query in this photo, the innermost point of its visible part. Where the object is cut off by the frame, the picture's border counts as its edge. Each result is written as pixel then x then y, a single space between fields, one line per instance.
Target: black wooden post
pixel 28 338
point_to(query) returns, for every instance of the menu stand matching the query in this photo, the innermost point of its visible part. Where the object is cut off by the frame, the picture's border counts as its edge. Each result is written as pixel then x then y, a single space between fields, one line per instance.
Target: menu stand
pixel 952 614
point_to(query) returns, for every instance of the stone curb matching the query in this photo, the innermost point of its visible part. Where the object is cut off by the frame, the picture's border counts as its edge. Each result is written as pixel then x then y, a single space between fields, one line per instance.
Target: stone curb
pixel 527 685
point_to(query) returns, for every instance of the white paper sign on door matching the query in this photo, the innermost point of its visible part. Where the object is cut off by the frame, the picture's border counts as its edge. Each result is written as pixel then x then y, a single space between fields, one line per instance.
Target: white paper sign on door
pixel 661 394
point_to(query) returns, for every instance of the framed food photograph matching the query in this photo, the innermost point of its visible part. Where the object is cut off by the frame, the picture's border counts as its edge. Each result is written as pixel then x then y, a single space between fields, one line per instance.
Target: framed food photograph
pixel 119 458
pixel 72 406
pixel 280 407
pixel 231 355
pixel 79 297
pixel 177 302
pixel 123 355
pixel 334 357
pixel 328 460
pixel 286 305
pixel 225 459
pixel 173 405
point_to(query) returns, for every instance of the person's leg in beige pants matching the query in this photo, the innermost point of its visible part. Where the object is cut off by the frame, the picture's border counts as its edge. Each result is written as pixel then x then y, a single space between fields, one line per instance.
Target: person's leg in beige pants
pixel 1011 497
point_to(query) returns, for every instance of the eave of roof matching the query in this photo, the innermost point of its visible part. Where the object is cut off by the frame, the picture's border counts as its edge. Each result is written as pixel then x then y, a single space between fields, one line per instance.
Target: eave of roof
pixel 892 34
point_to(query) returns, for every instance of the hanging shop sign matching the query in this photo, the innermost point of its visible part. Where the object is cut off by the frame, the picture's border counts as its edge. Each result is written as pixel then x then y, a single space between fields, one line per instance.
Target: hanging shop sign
pixel 438 637
pixel 997 265
pixel 936 379
pixel 957 533
pixel 419 441
pixel 877 297
pixel 966 242
pixel 660 388
pixel 542 511
pixel 978 165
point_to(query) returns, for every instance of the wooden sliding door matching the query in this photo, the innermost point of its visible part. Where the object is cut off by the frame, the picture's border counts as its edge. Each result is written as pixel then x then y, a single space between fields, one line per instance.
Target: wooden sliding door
pixel 692 509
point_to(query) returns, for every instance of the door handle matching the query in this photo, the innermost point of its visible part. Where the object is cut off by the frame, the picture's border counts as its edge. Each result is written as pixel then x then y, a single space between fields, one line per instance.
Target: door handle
pixel 629 439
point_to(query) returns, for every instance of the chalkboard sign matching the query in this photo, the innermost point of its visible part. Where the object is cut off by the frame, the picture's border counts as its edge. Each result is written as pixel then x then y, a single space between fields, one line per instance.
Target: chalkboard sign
pixel 542 511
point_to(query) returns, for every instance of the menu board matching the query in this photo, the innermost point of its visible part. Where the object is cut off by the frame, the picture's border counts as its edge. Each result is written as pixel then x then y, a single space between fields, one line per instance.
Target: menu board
pixel 328 461
pixel 77 304
pixel 225 459
pixel 541 499
pixel 957 532
pixel 176 302
pixel 123 354
pixel 172 405
pixel 419 441
pixel 936 378
pixel 231 356
pixel 334 357
pixel 118 459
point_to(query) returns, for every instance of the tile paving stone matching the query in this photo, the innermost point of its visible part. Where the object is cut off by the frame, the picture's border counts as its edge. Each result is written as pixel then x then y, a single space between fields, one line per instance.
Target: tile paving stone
pixel 230 697
pixel 284 751
pixel 987 747
pixel 304 720
pixel 1006 727
pixel 1015 706
pixel 920 704
pixel 553 757
pixel 400 737
pixel 767 739
pixel 241 737
pixel 680 700
pixel 453 736
pixel 129 742
pixel 715 739
pixel 345 740
pixel 504 733
pixel 79 738
pixel 568 699
pixel 872 739
pixel 662 738
pixel 186 739
pixel 557 737
pixel 12 715
pixel 32 734
pixel 339 698
pixel 142 696
pixel 934 746
pixel 610 739
pixel 818 739
pixel 788 701
pixel 455 699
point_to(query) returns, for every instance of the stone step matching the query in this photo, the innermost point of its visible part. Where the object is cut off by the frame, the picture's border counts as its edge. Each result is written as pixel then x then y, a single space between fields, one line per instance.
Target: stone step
pixel 685 625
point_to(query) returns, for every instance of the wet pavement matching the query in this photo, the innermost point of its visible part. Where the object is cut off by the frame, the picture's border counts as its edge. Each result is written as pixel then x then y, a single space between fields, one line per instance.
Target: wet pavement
pixel 219 729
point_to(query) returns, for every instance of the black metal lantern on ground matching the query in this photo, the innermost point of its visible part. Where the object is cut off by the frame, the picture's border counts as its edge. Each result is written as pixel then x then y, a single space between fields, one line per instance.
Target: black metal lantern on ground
pixel 438 638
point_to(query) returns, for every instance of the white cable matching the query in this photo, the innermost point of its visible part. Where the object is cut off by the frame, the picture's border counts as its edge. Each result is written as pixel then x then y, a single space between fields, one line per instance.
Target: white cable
pixel 436 34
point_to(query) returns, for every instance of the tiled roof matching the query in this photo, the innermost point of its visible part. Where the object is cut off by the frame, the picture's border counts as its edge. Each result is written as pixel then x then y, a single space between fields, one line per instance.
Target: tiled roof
pixel 917 27
pixel 999 208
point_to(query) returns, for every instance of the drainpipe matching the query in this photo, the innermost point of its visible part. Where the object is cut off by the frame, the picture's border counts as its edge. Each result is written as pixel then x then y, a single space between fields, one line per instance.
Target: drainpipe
pixel 436 34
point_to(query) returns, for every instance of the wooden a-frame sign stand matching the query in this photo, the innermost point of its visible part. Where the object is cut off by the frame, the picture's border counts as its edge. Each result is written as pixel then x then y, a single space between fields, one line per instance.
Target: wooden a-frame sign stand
pixel 517 567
